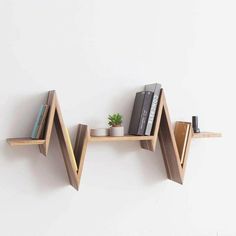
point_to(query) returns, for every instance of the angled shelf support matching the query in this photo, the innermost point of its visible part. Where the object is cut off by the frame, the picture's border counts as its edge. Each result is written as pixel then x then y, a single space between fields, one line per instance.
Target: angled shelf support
pixel 74 158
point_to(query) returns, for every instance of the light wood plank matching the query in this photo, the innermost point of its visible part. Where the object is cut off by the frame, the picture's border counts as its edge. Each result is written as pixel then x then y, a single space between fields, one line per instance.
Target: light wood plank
pixel 66 147
pixel 24 141
pixel 51 101
pixel 117 139
pixel 207 135
pixel 80 149
pixel 169 147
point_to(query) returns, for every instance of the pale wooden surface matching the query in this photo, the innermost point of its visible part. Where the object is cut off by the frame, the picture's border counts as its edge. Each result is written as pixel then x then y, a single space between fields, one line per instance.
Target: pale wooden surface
pixel 207 135
pixel 24 141
pixel 169 146
pixel 80 149
pixel 181 132
pixel 51 101
pixel 122 138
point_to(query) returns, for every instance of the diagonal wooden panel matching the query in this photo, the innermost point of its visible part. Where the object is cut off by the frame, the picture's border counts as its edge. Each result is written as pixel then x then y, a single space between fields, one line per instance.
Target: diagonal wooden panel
pixel 80 148
pixel 51 101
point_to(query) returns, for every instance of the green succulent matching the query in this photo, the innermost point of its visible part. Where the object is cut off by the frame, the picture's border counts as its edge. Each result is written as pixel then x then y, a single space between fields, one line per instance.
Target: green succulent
pixel 115 119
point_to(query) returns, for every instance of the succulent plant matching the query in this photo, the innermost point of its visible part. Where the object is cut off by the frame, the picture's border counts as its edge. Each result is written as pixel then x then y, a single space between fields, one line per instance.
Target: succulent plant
pixel 115 119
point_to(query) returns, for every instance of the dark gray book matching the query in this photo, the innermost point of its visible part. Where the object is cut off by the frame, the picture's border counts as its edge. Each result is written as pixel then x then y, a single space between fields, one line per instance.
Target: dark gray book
pixel 141 108
pixel 156 89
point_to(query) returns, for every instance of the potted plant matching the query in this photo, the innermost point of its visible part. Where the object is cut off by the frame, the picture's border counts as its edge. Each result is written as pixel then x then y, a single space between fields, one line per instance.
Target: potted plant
pixel 115 122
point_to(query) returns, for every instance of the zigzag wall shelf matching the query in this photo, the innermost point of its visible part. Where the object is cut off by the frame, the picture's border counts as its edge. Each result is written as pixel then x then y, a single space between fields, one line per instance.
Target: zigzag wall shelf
pixel 74 159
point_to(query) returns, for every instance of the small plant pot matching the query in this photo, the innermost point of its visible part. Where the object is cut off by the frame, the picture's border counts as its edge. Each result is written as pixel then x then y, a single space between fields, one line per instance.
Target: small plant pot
pixel 99 132
pixel 117 131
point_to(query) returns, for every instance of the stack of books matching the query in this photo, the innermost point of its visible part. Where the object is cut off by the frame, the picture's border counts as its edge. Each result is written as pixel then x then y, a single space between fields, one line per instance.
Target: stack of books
pixel 144 110
pixel 39 125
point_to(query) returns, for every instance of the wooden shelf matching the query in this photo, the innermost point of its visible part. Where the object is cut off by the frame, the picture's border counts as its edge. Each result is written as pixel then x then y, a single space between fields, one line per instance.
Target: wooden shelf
pixel 122 138
pixel 207 135
pixel 74 158
pixel 24 141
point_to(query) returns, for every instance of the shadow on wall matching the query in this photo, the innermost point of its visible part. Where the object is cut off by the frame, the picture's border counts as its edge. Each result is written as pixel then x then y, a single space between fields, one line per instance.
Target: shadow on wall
pixel 46 173
pixel 149 165
pixel 23 112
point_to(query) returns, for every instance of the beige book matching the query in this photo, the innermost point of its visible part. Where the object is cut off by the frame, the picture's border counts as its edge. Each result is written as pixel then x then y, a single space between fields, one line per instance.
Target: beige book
pixel 182 130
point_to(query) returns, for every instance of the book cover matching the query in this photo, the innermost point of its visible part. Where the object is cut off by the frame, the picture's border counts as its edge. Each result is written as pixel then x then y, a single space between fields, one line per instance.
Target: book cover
pixel 136 112
pixel 156 89
pixel 140 112
pixel 145 112
pixel 37 122
pixel 181 132
pixel 42 123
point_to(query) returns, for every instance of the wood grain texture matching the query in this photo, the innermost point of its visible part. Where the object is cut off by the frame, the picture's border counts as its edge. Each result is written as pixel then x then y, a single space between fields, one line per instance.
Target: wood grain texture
pixel 66 147
pixel 169 147
pixel 51 101
pixel 207 135
pixel 80 148
pixel 181 132
pixel 24 141
pixel 121 138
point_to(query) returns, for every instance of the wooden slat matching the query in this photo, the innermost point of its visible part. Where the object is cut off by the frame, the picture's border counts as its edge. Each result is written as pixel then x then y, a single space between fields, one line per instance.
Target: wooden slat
pixel 51 101
pixel 80 148
pixel 66 147
pixel 169 148
pixel 207 135
pixel 122 138
pixel 24 141
pixel 187 151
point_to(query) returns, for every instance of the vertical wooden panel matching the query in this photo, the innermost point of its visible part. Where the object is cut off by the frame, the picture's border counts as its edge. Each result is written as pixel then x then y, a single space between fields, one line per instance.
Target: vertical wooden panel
pixel 80 148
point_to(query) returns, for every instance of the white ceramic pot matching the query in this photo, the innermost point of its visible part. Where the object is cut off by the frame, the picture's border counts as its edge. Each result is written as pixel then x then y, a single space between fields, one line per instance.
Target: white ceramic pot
pixel 117 131
pixel 99 132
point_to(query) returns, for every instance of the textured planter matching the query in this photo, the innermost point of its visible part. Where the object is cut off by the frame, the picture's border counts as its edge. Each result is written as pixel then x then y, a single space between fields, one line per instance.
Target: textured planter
pixel 101 132
pixel 117 131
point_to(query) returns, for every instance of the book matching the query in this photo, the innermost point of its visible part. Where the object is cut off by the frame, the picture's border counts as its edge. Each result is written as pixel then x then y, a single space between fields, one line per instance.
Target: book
pixel 156 89
pixel 182 132
pixel 41 128
pixel 141 108
pixel 39 119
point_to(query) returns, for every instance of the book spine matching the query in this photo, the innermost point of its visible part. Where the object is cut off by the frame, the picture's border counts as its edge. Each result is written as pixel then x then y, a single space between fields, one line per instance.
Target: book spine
pixel 41 127
pixel 136 113
pixel 37 122
pixel 153 109
pixel 145 112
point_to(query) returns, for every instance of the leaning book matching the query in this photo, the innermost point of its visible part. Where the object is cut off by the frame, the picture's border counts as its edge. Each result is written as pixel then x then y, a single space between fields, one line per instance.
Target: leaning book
pixel 156 89
pixel 39 120
pixel 140 112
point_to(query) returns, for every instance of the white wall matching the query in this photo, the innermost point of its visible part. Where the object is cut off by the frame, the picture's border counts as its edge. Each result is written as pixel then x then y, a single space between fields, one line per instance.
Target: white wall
pixel 97 54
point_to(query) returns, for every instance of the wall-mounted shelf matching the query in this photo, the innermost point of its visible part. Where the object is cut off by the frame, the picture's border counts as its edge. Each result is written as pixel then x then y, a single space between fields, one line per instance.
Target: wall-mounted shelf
pixel 74 158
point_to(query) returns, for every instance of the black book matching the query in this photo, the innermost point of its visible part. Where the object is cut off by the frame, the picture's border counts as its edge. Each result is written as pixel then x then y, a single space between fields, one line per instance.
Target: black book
pixel 156 89
pixel 141 108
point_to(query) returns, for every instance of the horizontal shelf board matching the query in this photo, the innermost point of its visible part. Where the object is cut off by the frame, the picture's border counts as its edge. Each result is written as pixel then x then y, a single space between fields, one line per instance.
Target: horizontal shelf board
pixel 207 135
pixel 24 141
pixel 122 138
